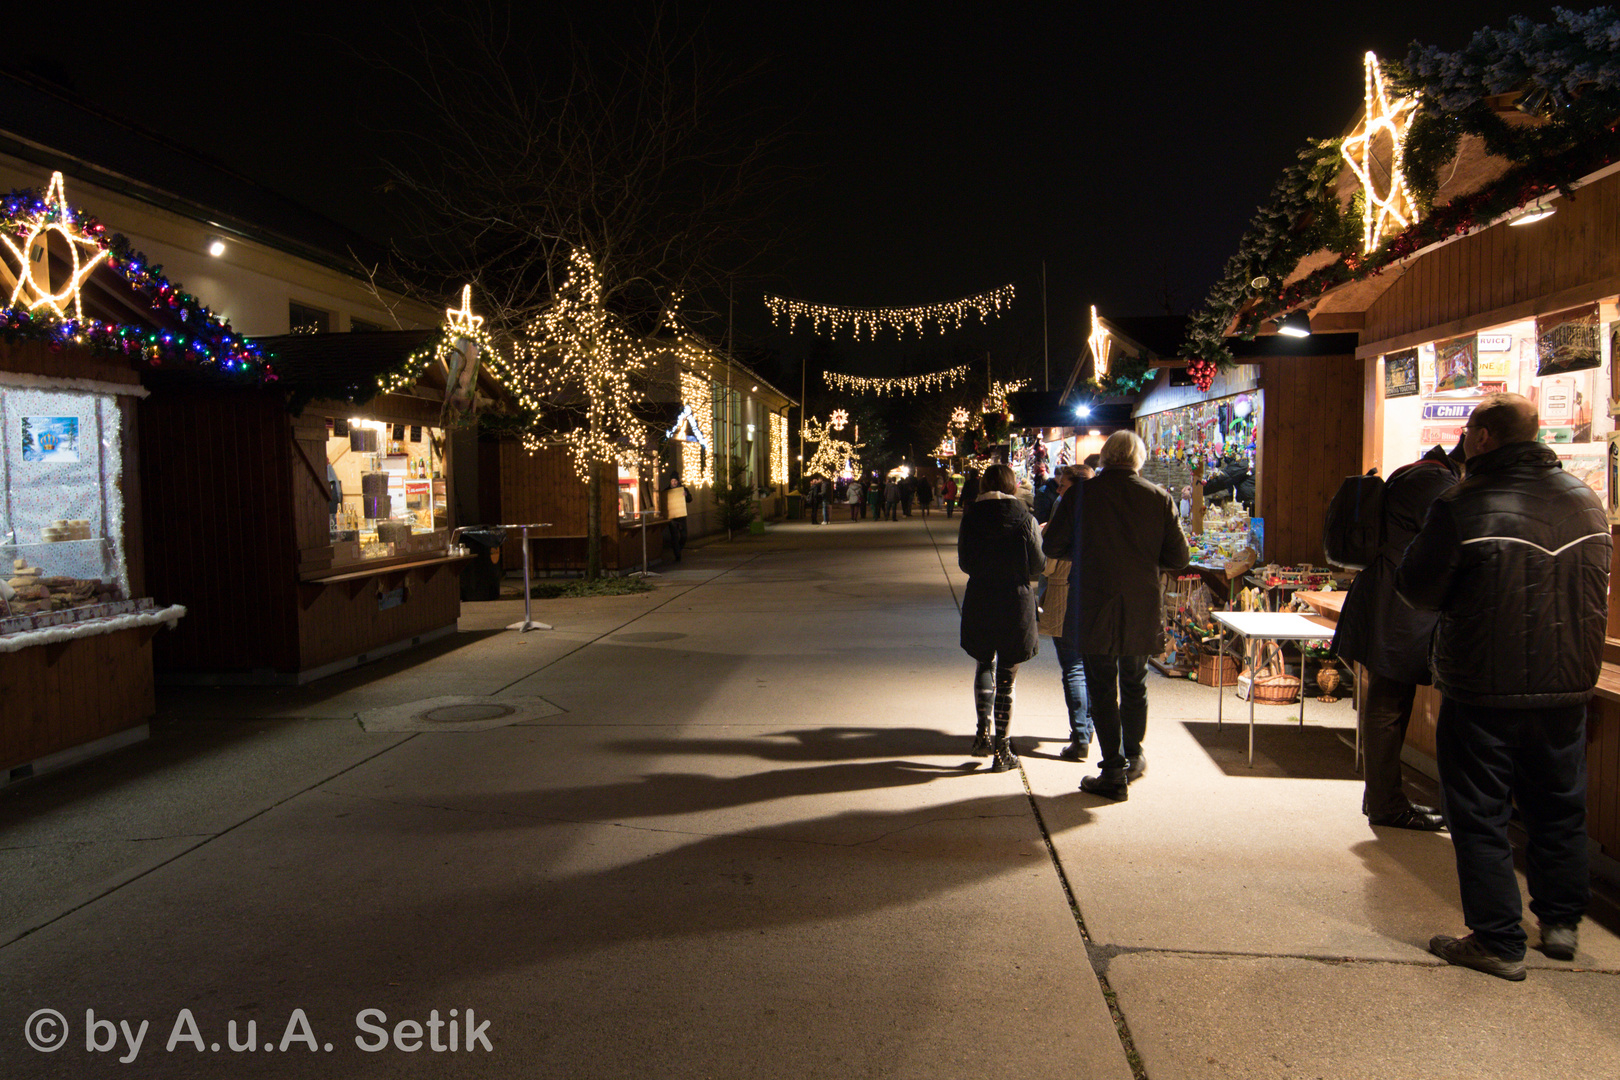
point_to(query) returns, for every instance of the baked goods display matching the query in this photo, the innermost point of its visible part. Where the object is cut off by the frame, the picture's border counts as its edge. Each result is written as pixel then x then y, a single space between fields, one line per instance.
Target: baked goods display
pixel 33 592
pixel 63 529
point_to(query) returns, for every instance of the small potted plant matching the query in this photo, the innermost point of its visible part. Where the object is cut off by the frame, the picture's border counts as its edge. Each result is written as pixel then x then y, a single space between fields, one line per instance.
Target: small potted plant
pixel 1327 669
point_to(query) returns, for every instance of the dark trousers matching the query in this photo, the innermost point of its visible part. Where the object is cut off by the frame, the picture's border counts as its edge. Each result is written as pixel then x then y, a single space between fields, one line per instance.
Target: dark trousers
pixel 1072 668
pixel 675 536
pixel 1385 715
pixel 1489 759
pixel 1118 688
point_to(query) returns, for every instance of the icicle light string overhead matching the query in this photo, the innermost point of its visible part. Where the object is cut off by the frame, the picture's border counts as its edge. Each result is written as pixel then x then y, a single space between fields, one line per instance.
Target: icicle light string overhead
pixel 910 384
pixel 830 319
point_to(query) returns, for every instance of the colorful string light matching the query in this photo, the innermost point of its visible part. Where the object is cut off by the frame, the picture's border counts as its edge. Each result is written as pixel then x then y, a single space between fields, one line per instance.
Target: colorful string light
pixel 910 384
pixel 831 318
pixel 206 339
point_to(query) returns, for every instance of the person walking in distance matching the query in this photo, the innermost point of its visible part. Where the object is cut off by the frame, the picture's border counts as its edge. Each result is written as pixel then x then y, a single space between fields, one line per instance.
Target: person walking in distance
pixel 1390 640
pixel 948 492
pixel 1515 559
pixel 891 497
pixel 856 499
pixel 1119 532
pixel 999 549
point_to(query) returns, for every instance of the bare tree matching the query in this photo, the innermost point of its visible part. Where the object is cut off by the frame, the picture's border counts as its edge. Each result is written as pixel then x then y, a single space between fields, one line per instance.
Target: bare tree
pixel 632 158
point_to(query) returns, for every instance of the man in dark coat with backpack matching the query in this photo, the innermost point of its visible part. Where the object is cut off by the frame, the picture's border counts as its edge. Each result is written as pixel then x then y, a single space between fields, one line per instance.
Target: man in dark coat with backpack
pixel 1390 639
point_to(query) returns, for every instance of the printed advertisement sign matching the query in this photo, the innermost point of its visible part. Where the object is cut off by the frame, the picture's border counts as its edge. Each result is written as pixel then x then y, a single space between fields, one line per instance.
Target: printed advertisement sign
pixel 1449 410
pixel 1401 374
pixel 50 438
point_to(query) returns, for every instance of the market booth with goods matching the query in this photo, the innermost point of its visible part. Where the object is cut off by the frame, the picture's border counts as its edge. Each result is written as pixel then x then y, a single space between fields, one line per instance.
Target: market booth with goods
pixel 84 316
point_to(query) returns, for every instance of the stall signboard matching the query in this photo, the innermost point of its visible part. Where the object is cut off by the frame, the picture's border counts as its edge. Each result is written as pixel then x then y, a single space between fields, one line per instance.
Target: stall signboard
pixel 1401 374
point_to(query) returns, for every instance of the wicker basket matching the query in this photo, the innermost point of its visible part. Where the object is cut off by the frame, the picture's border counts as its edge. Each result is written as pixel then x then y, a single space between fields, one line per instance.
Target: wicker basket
pixel 1209 666
pixel 1276 690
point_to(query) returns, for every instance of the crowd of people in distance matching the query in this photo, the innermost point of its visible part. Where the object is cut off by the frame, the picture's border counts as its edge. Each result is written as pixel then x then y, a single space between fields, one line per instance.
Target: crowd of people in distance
pixel 1491 584
pixel 878 498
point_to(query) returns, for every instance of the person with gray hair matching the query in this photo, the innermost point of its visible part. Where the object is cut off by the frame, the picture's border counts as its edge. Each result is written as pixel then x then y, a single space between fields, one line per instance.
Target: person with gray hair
pixel 1119 532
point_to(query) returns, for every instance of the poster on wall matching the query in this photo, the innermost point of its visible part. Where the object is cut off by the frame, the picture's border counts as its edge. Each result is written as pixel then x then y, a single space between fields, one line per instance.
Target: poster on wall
pixel 1589 462
pixel 50 438
pixel 1401 374
pixel 1568 341
pixel 1456 364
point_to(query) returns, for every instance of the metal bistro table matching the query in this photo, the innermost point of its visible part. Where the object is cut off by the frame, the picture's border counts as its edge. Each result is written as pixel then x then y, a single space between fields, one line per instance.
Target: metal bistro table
pixel 1268 626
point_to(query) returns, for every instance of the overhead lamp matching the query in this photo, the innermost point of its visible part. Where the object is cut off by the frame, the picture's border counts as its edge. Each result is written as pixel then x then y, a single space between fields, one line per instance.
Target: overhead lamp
pixel 1082 411
pixel 1094 434
pixel 753 389
pixel 1534 212
pixel 216 247
pixel 1294 324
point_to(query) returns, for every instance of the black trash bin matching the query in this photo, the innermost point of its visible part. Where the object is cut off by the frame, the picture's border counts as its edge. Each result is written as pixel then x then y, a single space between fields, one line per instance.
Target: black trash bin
pixel 481 578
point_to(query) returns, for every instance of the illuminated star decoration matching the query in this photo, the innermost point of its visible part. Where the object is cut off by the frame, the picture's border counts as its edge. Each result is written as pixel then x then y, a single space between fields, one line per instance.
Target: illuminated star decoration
pixel 838 420
pixel 1099 347
pixel 55 217
pixel 462 319
pixel 959 417
pixel 1382 212
pixel 830 317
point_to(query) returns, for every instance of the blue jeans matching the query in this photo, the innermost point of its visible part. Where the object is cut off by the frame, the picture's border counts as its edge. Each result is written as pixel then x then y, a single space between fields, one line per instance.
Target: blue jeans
pixel 1118 686
pixel 1072 668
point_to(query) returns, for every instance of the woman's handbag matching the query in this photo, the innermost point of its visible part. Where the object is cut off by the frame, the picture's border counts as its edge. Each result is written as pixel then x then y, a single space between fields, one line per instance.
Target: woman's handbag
pixel 1056 600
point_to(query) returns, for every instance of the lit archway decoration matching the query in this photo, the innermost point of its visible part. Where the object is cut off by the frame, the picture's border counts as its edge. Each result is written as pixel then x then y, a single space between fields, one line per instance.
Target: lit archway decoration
pixel 1391 209
pixel 84 252
pixel 908 384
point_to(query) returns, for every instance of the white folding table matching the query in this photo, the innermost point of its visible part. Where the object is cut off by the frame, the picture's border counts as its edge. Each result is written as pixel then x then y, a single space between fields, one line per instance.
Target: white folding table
pixel 1266 626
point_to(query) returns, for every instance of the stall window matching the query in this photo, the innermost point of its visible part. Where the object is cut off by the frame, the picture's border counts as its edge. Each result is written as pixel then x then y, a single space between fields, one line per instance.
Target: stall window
pixel 61 505
pixel 388 486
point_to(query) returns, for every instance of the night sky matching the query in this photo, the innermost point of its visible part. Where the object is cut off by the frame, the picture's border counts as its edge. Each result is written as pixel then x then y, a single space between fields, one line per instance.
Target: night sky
pixel 946 148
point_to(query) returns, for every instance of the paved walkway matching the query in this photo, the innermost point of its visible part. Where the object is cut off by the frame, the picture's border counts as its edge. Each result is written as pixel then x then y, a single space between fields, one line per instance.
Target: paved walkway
pixel 729 829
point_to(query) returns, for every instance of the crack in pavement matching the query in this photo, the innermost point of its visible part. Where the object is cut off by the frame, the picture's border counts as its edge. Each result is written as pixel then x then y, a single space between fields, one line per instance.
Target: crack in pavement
pixel 103 840
pixel 1102 954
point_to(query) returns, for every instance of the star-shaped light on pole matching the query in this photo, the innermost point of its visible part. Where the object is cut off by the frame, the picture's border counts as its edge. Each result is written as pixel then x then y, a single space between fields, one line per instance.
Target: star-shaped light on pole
pixel 959 417
pixel 1387 119
pixel 838 420
pixel 56 217
pixel 462 320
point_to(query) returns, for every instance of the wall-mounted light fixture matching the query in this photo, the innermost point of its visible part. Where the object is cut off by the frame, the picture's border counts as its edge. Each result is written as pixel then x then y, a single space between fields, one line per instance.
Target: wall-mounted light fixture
pixel 216 247
pixel 1294 324
pixel 1536 211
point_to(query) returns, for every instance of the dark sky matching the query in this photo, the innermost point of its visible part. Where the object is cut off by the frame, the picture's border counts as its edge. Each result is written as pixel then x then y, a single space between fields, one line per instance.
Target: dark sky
pixel 948 147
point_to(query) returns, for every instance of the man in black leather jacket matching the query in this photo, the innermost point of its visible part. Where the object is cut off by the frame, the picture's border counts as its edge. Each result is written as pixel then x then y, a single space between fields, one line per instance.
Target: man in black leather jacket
pixel 1516 561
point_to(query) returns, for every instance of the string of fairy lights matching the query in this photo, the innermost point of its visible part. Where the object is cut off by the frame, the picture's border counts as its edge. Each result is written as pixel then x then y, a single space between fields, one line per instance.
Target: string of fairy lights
pixel 831 319
pixel 779 448
pixel 1384 123
pixel 908 384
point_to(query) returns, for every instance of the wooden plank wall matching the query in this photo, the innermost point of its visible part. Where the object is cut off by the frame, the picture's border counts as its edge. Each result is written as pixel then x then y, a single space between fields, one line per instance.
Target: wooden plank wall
pixel 1603 775
pixel 342 620
pixel 74 692
pixel 1309 442
pixel 218 522
pixel 1577 249
pixel 541 486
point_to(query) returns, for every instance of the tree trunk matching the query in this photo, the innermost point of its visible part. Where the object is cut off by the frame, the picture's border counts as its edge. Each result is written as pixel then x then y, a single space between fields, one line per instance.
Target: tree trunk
pixel 593 524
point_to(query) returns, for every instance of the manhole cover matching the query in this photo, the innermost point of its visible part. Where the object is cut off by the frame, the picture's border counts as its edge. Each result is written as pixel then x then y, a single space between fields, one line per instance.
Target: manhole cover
pixel 463 714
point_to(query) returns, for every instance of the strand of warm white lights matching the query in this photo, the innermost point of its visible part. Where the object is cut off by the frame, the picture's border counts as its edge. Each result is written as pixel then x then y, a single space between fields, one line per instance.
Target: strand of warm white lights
pixel 829 319
pixel 697 397
pixel 779 449
pixel 910 384
pixel 996 400
pixel 578 346
pixel 1384 119
pixel 832 453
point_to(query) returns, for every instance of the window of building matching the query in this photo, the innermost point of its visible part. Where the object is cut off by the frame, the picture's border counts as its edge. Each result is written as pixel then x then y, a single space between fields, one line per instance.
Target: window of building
pixel 302 319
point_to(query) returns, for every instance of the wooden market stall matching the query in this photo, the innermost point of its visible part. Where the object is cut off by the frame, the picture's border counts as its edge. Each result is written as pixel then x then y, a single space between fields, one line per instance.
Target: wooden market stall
pixel 76 626
pixel 306 522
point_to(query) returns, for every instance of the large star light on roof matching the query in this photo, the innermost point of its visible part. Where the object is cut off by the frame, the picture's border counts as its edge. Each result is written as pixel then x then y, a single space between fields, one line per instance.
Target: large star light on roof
pixel 1388 205
pixel 84 253
pixel 463 320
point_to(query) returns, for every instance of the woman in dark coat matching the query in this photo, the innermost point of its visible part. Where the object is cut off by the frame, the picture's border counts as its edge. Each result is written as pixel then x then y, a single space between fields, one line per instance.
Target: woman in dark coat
pixel 999 548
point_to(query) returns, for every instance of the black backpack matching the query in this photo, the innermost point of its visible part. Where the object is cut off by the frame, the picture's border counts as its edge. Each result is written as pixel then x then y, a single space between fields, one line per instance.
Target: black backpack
pixel 1354 530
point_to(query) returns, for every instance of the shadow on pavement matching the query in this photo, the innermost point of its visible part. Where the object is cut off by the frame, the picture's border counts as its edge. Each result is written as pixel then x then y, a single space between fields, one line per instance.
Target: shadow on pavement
pixel 811 744
pixel 1284 751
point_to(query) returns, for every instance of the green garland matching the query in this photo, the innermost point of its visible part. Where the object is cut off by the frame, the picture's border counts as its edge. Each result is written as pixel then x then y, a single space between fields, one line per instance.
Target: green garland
pixel 1569 70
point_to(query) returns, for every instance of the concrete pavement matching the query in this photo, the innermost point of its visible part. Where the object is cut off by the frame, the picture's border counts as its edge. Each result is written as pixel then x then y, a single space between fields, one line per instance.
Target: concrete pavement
pixel 730 830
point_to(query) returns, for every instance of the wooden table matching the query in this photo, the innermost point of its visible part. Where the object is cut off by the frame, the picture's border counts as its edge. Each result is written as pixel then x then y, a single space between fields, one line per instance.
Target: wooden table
pixel 1268 626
